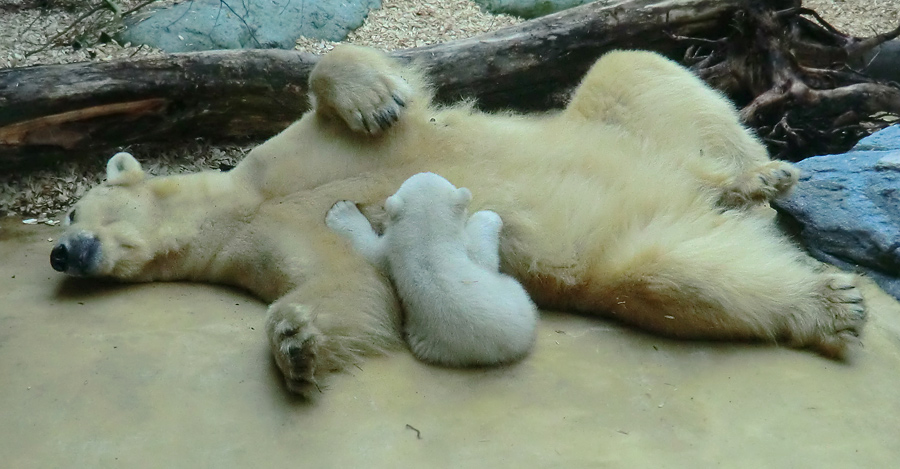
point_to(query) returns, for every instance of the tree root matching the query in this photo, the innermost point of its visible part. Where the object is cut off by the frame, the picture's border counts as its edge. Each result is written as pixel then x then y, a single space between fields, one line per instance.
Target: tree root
pixel 790 72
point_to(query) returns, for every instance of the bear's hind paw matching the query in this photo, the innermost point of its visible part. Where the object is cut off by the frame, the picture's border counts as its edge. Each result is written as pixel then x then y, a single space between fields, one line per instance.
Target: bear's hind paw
pixel 846 306
pixel 763 184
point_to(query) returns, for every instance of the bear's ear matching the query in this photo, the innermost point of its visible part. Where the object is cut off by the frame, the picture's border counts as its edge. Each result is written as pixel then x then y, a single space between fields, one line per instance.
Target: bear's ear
pixel 392 206
pixel 122 169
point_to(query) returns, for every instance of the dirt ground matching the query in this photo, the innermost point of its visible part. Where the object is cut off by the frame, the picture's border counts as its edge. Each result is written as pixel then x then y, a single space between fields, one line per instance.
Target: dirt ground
pixel 179 375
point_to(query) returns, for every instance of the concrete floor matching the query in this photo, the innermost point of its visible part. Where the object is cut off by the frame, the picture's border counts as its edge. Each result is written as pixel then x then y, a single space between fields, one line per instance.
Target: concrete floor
pixel 178 375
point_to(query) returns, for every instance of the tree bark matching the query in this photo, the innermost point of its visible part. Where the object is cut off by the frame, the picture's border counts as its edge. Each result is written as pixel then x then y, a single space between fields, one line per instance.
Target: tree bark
pixel 48 111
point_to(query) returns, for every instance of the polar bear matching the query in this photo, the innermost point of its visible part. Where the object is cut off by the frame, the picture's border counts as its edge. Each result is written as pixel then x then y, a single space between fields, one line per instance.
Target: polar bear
pixel 635 202
pixel 459 309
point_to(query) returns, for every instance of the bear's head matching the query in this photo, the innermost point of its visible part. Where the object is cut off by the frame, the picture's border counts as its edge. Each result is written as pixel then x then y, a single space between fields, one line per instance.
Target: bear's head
pixel 428 193
pixel 118 227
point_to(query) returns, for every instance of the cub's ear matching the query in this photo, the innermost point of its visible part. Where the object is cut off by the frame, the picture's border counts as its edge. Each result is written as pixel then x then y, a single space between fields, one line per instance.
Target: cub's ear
pixel 393 205
pixel 122 170
pixel 462 197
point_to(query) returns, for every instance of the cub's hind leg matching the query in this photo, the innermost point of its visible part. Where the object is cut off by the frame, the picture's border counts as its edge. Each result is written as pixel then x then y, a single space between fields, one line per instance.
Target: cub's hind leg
pixel 683 120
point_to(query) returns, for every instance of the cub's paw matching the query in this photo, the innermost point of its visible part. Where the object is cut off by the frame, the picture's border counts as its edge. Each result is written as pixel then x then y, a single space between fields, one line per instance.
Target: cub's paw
pixel 487 221
pixel 763 184
pixel 345 219
pixel 295 343
pixel 846 314
pixel 362 87
pixel 483 244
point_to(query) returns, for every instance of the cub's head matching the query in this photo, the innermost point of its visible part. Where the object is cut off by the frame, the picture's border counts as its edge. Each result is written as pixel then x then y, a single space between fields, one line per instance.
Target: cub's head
pixel 428 194
pixel 116 229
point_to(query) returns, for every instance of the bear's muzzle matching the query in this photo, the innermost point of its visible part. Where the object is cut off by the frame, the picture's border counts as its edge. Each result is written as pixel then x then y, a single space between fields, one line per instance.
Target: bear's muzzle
pixel 76 255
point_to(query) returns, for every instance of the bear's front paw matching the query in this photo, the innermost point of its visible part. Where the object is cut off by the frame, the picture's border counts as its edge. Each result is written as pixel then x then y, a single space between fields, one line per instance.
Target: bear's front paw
pixel 295 345
pixel 376 108
pixel 362 87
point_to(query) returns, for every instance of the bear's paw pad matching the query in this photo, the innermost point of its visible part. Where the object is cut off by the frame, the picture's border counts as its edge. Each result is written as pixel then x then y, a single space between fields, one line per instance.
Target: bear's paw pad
pixel 376 106
pixel 296 345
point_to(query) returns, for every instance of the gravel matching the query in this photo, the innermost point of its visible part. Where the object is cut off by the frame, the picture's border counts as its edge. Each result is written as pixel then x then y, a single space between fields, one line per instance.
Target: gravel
pixel 41 32
pixel 402 24
pixel 858 17
pixel 38 32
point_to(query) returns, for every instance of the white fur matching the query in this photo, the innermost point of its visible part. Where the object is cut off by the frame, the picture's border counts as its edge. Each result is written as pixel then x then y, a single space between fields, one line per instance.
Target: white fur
pixel 460 310
pixel 638 202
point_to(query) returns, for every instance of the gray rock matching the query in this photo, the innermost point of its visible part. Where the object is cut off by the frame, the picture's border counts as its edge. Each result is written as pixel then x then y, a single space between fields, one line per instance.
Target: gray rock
pixel 886 139
pixel 528 8
pixel 196 25
pixel 848 207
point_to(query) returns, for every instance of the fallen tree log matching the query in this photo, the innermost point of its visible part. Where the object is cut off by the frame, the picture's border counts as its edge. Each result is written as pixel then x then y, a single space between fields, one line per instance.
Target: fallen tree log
pixel 78 108
pixel 759 52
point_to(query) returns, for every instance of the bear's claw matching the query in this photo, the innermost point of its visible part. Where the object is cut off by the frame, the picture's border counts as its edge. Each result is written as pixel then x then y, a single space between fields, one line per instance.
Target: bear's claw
pixel 379 107
pixel 366 92
pixel 371 104
pixel 847 308
pixel 765 183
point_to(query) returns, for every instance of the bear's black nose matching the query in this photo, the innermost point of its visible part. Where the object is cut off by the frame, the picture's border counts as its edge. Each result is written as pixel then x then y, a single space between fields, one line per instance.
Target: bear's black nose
pixel 59 258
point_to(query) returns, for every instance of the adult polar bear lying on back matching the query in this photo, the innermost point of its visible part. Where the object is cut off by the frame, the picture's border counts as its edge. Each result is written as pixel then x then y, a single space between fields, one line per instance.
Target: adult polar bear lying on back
pixel 633 203
pixel 460 310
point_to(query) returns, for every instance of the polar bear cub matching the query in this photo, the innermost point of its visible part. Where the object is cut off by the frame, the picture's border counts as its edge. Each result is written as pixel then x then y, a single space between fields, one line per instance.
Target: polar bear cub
pixel 460 310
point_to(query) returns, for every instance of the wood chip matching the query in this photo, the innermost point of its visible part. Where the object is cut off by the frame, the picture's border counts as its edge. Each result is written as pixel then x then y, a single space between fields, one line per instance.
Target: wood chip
pixel 25 26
